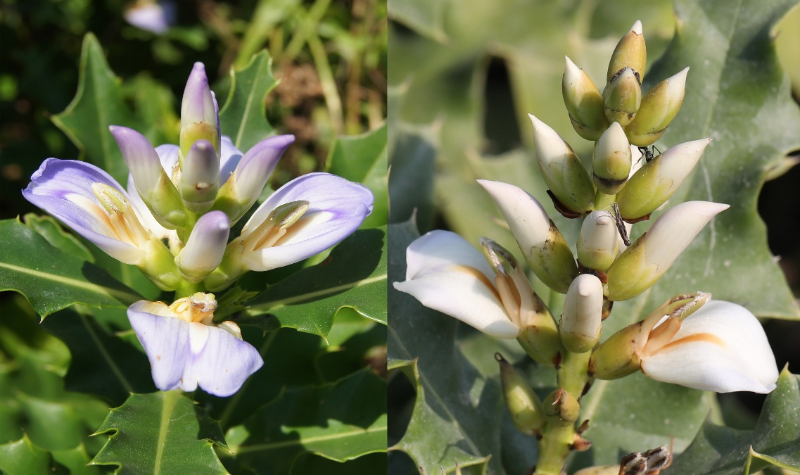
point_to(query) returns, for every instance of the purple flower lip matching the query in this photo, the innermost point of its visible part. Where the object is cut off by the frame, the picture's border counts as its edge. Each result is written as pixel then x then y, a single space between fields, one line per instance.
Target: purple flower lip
pixel 71 191
pixel 186 351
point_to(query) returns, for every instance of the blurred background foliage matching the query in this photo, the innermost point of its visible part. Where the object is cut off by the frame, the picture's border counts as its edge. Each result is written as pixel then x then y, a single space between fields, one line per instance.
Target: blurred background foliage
pixel 463 75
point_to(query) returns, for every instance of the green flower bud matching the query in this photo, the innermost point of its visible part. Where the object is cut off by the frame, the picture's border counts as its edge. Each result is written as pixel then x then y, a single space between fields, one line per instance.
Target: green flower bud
pixel 582 317
pixel 617 356
pixel 622 97
pixel 561 407
pixel 199 180
pixel 599 470
pixel 642 264
pixel 611 162
pixel 159 266
pixel 523 404
pixel 584 102
pixel 562 170
pixel 657 110
pixel 598 242
pixel 543 246
pixel 656 181
pixel 630 52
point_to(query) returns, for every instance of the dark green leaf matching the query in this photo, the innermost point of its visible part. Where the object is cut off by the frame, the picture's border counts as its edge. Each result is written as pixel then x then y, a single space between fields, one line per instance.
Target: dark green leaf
pixel 97 104
pixel 243 118
pixel 426 17
pixel 362 158
pixel 353 275
pixel 76 461
pixel 51 230
pixel 161 433
pixel 412 172
pixel 456 415
pixel 776 439
pixel 51 279
pixel 103 364
pixel 340 421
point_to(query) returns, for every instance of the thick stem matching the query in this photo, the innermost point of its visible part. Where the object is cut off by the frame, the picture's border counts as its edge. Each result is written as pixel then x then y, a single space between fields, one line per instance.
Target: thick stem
pixel 558 437
pixel 602 200
pixel 187 289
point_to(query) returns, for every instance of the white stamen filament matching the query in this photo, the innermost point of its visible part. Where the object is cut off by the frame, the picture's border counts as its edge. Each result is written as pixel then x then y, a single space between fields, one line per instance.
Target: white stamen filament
pixel 526 305
pixel 508 297
pixel 116 213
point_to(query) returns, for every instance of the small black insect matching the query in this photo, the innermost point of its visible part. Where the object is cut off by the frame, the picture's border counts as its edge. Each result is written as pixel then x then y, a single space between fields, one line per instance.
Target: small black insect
pixel 647 153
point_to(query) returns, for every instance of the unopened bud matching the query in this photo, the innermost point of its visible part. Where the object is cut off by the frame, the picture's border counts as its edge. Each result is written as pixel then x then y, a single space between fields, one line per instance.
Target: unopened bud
pixel 199 180
pixel 642 264
pixel 656 181
pixel 199 112
pixel 149 177
pixel 622 97
pixel 657 110
pixel 543 246
pixel 561 407
pixel 159 266
pixel 584 102
pixel 617 356
pixel 562 170
pixel 598 242
pixel 523 404
pixel 582 316
pixel 599 470
pixel 611 161
pixel 631 52
pixel 205 247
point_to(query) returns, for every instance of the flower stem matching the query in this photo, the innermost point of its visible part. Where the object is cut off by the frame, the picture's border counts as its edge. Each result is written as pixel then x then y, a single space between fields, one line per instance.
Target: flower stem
pixel 187 289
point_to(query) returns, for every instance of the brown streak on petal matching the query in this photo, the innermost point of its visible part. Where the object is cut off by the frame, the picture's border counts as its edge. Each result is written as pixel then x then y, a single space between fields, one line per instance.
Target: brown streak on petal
pixel 701 337
pixel 478 275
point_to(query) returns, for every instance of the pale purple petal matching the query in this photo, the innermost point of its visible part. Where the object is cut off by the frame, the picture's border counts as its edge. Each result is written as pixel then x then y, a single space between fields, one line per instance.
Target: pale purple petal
pixel 337 207
pixel 205 246
pixel 155 17
pixel 144 214
pixel 168 154
pixel 218 361
pixel 63 188
pixel 198 104
pixel 140 156
pixel 165 340
pixel 228 160
pixel 256 166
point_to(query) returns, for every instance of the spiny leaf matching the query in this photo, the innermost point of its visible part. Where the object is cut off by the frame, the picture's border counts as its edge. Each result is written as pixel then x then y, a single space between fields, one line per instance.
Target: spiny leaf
pixel 354 275
pixel 23 457
pixel 161 433
pixel 243 118
pixel 51 279
pixel 97 104
pixel 363 158
pixel 340 421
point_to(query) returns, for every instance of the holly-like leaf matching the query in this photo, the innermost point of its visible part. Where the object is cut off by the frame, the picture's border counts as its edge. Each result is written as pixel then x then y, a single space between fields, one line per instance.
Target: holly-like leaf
pixel 426 17
pixel 52 279
pixel 353 275
pixel 162 432
pixel 363 158
pixel 340 421
pixel 23 457
pixel 456 414
pixel 51 230
pixel 103 364
pixel 775 440
pixel 411 179
pixel 97 104
pixel 243 118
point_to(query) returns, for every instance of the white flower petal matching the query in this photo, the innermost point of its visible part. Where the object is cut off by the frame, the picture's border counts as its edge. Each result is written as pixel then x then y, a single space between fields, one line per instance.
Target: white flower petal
pixel 525 216
pixel 438 250
pixel 721 347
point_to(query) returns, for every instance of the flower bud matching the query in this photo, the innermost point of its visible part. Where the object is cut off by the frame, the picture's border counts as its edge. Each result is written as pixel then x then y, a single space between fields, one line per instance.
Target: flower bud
pixel 617 356
pixel 630 52
pixel 657 110
pixel 199 112
pixel 562 170
pixel 561 407
pixel 599 470
pixel 159 266
pixel 522 403
pixel 611 161
pixel 642 264
pixel 199 181
pixel 205 247
pixel 656 181
pixel 149 177
pixel 622 97
pixel 584 102
pixel 598 242
pixel 583 308
pixel 244 186
pixel 543 246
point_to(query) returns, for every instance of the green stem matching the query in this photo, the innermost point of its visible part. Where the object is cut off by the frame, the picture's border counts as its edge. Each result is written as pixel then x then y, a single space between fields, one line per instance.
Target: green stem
pixel 187 289
pixel 603 201
pixel 558 437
